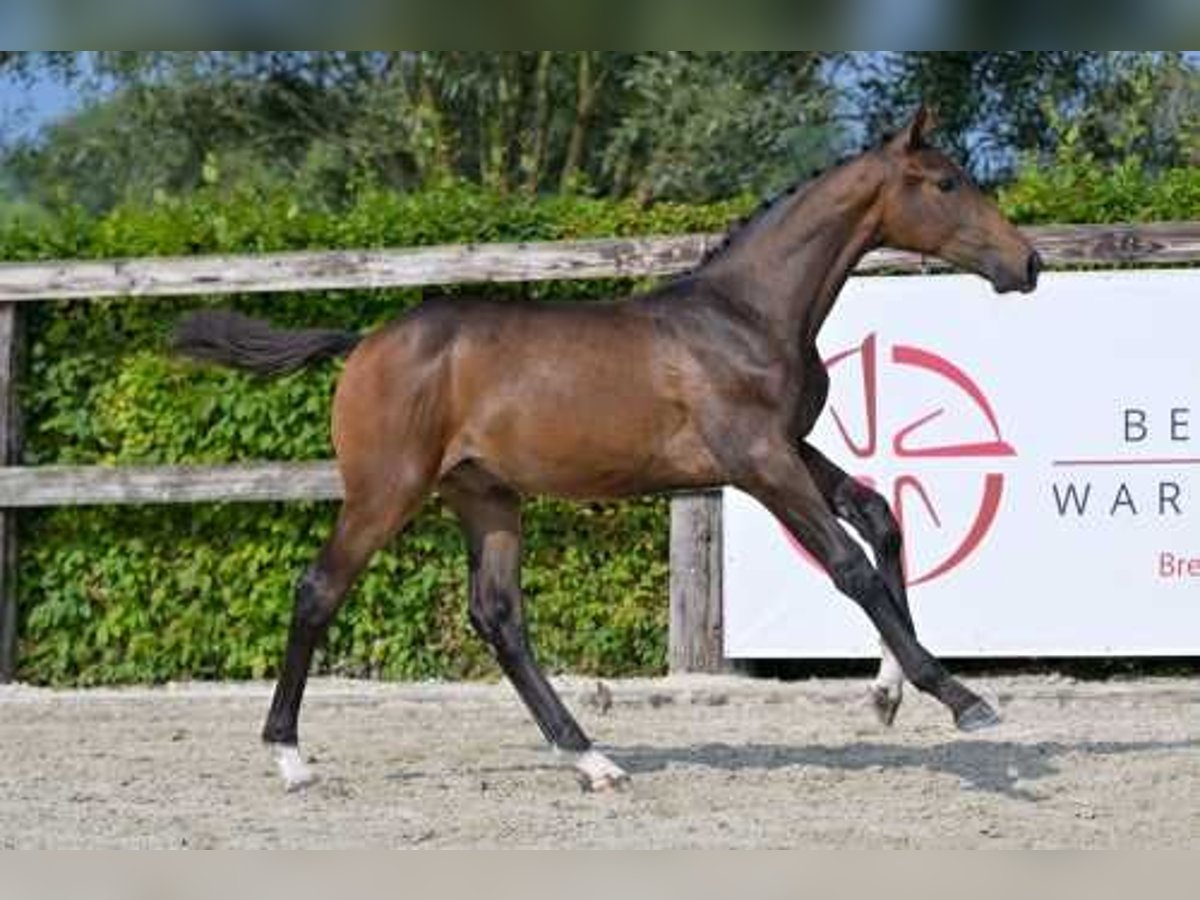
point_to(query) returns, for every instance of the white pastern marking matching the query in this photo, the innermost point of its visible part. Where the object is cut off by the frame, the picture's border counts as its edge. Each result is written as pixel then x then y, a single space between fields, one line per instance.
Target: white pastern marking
pixel 598 771
pixel 891 676
pixel 296 773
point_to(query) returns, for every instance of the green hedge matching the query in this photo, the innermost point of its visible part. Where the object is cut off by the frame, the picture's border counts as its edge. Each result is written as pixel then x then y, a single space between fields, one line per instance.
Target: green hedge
pixel 1075 190
pixel 132 595
pixel 121 595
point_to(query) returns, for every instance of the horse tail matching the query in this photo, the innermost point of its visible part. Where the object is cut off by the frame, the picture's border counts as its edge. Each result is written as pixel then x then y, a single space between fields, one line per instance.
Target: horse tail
pixel 231 339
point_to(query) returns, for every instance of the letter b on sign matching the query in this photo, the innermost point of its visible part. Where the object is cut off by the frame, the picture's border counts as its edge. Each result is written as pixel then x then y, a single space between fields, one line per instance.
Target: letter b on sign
pixel 1135 426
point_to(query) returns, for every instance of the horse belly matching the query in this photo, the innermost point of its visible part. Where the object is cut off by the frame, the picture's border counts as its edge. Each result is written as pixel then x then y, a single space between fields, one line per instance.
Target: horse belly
pixel 562 438
pixel 575 450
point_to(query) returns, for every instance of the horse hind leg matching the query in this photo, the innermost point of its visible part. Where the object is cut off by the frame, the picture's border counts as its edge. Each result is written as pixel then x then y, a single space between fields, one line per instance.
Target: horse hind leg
pixel 491 520
pixel 871 517
pixel 363 527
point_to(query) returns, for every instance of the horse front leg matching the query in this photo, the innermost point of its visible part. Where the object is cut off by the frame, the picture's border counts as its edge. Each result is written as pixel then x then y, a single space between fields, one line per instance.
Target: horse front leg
pixel 869 514
pixel 773 472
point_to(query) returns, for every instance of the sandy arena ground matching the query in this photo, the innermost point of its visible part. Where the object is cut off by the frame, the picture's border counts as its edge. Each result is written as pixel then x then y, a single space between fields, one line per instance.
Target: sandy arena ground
pixel 721 762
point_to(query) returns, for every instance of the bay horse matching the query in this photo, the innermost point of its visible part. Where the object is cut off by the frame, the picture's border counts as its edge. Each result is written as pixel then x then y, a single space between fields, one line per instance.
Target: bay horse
pixel 711 379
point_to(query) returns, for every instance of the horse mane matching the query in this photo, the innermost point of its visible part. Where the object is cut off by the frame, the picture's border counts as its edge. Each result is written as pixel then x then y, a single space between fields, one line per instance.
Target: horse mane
pixel 739 226
pixel 744 223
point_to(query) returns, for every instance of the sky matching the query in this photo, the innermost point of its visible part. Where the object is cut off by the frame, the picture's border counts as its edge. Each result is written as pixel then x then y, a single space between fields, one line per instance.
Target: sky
pixel 25 108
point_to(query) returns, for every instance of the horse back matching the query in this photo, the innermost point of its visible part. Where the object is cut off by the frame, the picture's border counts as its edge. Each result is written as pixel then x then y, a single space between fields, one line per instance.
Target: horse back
pixel 579 400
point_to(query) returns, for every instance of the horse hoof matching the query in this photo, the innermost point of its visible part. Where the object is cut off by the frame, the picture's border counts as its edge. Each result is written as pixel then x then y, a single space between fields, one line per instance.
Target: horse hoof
pixel 885 704
pixel 598 774
pixel 976 717
pixel 605 784
pixel 292 768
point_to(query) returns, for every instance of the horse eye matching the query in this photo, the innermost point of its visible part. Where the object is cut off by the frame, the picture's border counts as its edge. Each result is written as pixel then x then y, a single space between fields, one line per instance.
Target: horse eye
pixel 947 184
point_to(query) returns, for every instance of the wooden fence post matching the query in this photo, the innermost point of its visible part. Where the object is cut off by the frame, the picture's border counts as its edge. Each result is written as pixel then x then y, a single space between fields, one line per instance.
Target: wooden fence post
pixel 695 635
pixel 9 453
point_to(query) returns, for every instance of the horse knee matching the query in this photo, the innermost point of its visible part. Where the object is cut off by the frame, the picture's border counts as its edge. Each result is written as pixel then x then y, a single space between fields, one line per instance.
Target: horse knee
pixel 854 576
pixel 494 616
pixel 315 601
pixel 888 537
pixel 869 512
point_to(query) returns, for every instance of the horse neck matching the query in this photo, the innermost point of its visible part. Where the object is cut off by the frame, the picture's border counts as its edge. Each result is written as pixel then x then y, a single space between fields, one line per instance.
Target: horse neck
pixel 792 264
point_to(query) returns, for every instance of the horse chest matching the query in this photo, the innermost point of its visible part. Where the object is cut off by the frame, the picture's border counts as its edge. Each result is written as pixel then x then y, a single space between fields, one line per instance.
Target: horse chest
pixel 812 392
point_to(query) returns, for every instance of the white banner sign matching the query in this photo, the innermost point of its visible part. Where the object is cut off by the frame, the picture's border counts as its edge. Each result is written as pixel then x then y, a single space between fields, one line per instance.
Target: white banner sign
pixel 1042 454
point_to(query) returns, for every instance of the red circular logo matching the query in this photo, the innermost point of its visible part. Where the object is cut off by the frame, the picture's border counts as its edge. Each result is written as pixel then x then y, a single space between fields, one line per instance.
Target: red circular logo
pixel 916 440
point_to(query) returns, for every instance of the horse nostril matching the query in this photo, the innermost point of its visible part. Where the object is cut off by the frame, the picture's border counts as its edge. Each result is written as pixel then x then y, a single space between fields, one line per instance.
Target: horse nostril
pixel 1034 268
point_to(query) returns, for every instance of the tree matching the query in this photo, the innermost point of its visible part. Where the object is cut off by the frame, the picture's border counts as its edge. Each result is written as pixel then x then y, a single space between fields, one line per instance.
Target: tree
pixel 711 124
pixel 1146 107
pixel 652 124
pixel 659 123
pixel 996 105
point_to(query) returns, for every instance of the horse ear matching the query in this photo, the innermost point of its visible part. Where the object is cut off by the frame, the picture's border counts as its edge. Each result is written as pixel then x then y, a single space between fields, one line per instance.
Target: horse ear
pixel 915 135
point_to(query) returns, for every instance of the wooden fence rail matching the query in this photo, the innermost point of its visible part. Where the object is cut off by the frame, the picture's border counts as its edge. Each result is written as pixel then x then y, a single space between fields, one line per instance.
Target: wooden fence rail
pixel 1146 245
pixel 695 522
pixel 50 486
